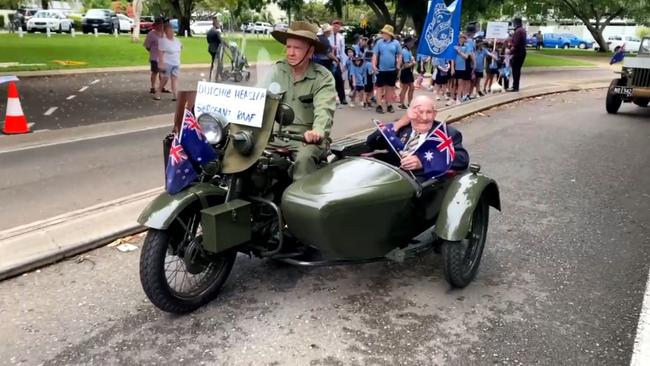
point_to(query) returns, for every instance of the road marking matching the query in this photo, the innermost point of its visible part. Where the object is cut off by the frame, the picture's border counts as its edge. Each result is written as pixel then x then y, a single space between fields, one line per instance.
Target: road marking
pixel 641 354
pixel 50 111
pixel 94 82
pixel 83 89
pixel 70 97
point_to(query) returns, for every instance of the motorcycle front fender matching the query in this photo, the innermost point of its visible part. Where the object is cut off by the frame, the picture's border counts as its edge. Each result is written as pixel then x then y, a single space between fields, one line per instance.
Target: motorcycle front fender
pixel 459 202
pixel 162 211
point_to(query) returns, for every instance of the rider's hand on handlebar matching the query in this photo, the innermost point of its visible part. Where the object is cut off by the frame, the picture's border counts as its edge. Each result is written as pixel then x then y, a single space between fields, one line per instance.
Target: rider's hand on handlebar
pixel 411 162
pixel 312 137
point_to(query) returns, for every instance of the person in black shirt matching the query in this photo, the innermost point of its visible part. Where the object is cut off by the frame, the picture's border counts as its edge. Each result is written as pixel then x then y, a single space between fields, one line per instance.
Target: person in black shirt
pixel 214 42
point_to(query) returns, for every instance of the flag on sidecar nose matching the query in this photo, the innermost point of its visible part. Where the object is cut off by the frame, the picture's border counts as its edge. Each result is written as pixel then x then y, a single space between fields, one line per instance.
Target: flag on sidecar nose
pixel 194 142
pixel 437 152
pixel 179 172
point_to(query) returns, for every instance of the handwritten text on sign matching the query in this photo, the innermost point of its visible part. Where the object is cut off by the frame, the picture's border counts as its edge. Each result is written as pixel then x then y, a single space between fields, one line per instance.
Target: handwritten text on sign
pixel 498 30
pixel 238 104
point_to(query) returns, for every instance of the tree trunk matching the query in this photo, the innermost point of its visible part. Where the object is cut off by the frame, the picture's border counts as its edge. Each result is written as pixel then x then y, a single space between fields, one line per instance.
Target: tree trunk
pixel 137 11
pixel 381 10
pixel 597 32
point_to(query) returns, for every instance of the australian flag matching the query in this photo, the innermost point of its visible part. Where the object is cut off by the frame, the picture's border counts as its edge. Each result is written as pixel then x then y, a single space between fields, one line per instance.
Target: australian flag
pixel 188 147
pixel 390 134
pixel 437 152
pixel 179 172
pixel 194 142
pixel 619 55
pixel 441 30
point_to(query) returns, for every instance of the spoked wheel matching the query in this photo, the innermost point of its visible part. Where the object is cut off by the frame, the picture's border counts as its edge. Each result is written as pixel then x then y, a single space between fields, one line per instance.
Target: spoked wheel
pixel 177 275
pixel 461 259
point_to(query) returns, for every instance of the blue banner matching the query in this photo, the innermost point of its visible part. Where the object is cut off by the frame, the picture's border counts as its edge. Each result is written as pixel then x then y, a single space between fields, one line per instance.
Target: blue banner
pixel 441 30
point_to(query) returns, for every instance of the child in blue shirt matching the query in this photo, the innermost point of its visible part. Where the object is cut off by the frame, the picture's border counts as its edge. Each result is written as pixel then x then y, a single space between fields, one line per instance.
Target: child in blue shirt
pixel 359 75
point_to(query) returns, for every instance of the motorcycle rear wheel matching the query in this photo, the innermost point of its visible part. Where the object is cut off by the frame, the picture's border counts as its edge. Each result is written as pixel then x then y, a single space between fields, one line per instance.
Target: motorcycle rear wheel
pixel 462 259
pixel 161 264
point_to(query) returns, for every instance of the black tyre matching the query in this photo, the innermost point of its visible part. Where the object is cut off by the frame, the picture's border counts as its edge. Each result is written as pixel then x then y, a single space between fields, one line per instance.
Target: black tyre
pixel 163 262
pixel 567 46
pixel 582 45
pixel 60 30
pixel 612 101
pixel 238 76
pixel 642 102
pixel 461 259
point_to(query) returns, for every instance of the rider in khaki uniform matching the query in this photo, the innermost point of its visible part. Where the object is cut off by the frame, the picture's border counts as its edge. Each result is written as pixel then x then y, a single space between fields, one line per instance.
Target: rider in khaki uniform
pixel 310 92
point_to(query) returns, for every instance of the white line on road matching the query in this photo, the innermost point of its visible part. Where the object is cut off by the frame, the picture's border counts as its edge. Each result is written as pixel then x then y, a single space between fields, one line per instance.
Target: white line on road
pixel 83 89
pixel 94 82
pixel 641 355
pixel 50 111
pixel 70 97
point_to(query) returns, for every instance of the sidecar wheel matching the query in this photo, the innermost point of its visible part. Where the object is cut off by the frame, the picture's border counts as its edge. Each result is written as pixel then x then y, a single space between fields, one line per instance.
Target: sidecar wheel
pixel 162 270
pixel 461 259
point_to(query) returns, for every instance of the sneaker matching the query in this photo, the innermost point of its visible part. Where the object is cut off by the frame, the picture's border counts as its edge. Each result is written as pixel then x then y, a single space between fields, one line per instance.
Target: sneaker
pixel 379 109
pixel 390 109
pixel 401 106
pixel 458 102
pixel 351 105
pixel 448 103
pixel 481 94
pixel 344 102
pixel 438 97
pixel 166 91
pixel 466 99
pixel 152 90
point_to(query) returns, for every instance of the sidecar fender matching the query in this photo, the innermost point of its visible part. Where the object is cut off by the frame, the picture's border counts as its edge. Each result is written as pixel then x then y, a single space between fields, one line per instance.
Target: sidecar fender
pixel 461 197
pixel 160 213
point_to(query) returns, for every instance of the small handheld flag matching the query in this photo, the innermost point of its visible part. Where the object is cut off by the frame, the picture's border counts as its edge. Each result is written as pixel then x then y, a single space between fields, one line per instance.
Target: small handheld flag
pixel 179 172
pixel 437 152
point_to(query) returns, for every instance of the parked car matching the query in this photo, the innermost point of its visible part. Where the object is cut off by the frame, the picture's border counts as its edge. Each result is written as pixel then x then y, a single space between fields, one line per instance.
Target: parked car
pixel 126 23
pixel 174 24
pixel 104 20
pixel 282 27
pixel 632 43
pixel 146 24
pixel 262 27
pixel 566 40
pixel 25 15
pixel 246 27
pixel 55 20
pixel 201 26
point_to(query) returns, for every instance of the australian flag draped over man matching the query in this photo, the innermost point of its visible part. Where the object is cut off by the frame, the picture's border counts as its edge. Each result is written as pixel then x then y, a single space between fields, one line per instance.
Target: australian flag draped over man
pixel 189 146
pixel 441 30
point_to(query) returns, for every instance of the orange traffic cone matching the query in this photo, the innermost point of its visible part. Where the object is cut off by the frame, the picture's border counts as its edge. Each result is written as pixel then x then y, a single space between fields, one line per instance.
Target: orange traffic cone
pixel 15 122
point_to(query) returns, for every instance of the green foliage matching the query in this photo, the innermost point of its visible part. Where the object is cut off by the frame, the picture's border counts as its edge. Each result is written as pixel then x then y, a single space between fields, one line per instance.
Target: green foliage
pixel 76 19
pixel 9 4
pixel 2 21
pixel 96 4
pixel 315 12
pixel 643 32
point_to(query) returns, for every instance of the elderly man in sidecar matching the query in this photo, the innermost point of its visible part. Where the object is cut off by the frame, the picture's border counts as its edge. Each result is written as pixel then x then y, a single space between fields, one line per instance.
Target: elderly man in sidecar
pixel 411 130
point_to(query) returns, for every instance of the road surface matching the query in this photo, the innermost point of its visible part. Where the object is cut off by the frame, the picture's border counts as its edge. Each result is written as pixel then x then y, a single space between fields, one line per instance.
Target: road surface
pixel 561 281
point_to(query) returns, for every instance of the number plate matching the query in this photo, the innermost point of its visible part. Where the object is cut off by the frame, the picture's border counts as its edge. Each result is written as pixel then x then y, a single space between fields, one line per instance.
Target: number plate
pixel 623 90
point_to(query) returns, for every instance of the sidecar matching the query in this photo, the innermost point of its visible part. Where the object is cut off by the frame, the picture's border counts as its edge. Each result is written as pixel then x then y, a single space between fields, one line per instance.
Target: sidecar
pixel 360 209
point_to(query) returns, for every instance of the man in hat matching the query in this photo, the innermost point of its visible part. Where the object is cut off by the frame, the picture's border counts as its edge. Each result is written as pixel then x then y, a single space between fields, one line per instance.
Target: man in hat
pixel 309 91
pixel 326 57
pixel 518 52
pixel 338 47
pixel 386 60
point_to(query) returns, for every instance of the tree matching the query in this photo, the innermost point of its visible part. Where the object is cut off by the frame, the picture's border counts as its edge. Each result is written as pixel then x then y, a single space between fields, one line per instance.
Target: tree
pixel 596 15
pixel 289 6
pixel 9 4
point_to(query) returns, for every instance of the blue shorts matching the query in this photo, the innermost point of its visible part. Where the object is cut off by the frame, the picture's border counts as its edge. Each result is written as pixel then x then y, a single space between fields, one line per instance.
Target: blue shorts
pixel 170 70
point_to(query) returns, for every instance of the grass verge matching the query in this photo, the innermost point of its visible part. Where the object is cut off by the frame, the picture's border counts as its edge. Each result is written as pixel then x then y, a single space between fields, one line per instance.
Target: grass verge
pixel 37 52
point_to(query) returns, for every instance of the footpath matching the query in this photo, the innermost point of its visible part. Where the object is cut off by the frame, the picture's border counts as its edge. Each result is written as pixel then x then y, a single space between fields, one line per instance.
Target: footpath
pixel 29 246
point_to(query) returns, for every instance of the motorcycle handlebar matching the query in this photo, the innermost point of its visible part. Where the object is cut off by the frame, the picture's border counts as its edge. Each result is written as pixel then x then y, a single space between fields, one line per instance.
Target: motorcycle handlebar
pixel 292 136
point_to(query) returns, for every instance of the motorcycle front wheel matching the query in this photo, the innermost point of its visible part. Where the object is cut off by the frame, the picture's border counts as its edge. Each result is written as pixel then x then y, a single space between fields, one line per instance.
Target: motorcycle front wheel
pixel 174 283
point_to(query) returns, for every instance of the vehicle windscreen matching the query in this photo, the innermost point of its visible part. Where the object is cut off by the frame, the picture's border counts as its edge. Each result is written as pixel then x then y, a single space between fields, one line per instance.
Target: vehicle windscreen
pixel 42 14
pixel 97 13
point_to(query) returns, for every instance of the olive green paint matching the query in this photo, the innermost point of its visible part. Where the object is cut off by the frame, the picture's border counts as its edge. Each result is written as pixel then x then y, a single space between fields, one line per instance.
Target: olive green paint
pixel 226 225
pixel 160 213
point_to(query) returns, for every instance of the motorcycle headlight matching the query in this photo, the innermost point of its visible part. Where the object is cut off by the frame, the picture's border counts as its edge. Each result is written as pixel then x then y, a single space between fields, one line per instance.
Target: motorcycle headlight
pixel 243 142
pixel 214 128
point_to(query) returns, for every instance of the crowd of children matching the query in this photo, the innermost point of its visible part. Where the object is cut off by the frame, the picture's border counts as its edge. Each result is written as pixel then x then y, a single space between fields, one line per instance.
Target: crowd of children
pixel 480 68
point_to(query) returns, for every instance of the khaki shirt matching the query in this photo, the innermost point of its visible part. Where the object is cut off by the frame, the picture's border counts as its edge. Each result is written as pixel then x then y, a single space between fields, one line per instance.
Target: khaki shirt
pixel 313 98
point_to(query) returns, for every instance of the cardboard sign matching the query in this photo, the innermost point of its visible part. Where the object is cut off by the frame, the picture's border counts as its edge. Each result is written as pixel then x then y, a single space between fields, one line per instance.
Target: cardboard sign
pixel 498 30
pixel 241 105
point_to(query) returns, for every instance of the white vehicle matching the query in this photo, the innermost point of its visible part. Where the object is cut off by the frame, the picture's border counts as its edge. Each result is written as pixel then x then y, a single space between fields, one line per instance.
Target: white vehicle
pixel 632 43
pixel 262 27
pixel 126 23
pixel 201 26
pixel 55 20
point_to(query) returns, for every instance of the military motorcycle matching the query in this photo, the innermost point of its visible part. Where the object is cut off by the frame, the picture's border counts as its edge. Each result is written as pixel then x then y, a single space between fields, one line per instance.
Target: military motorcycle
pixel 354 209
